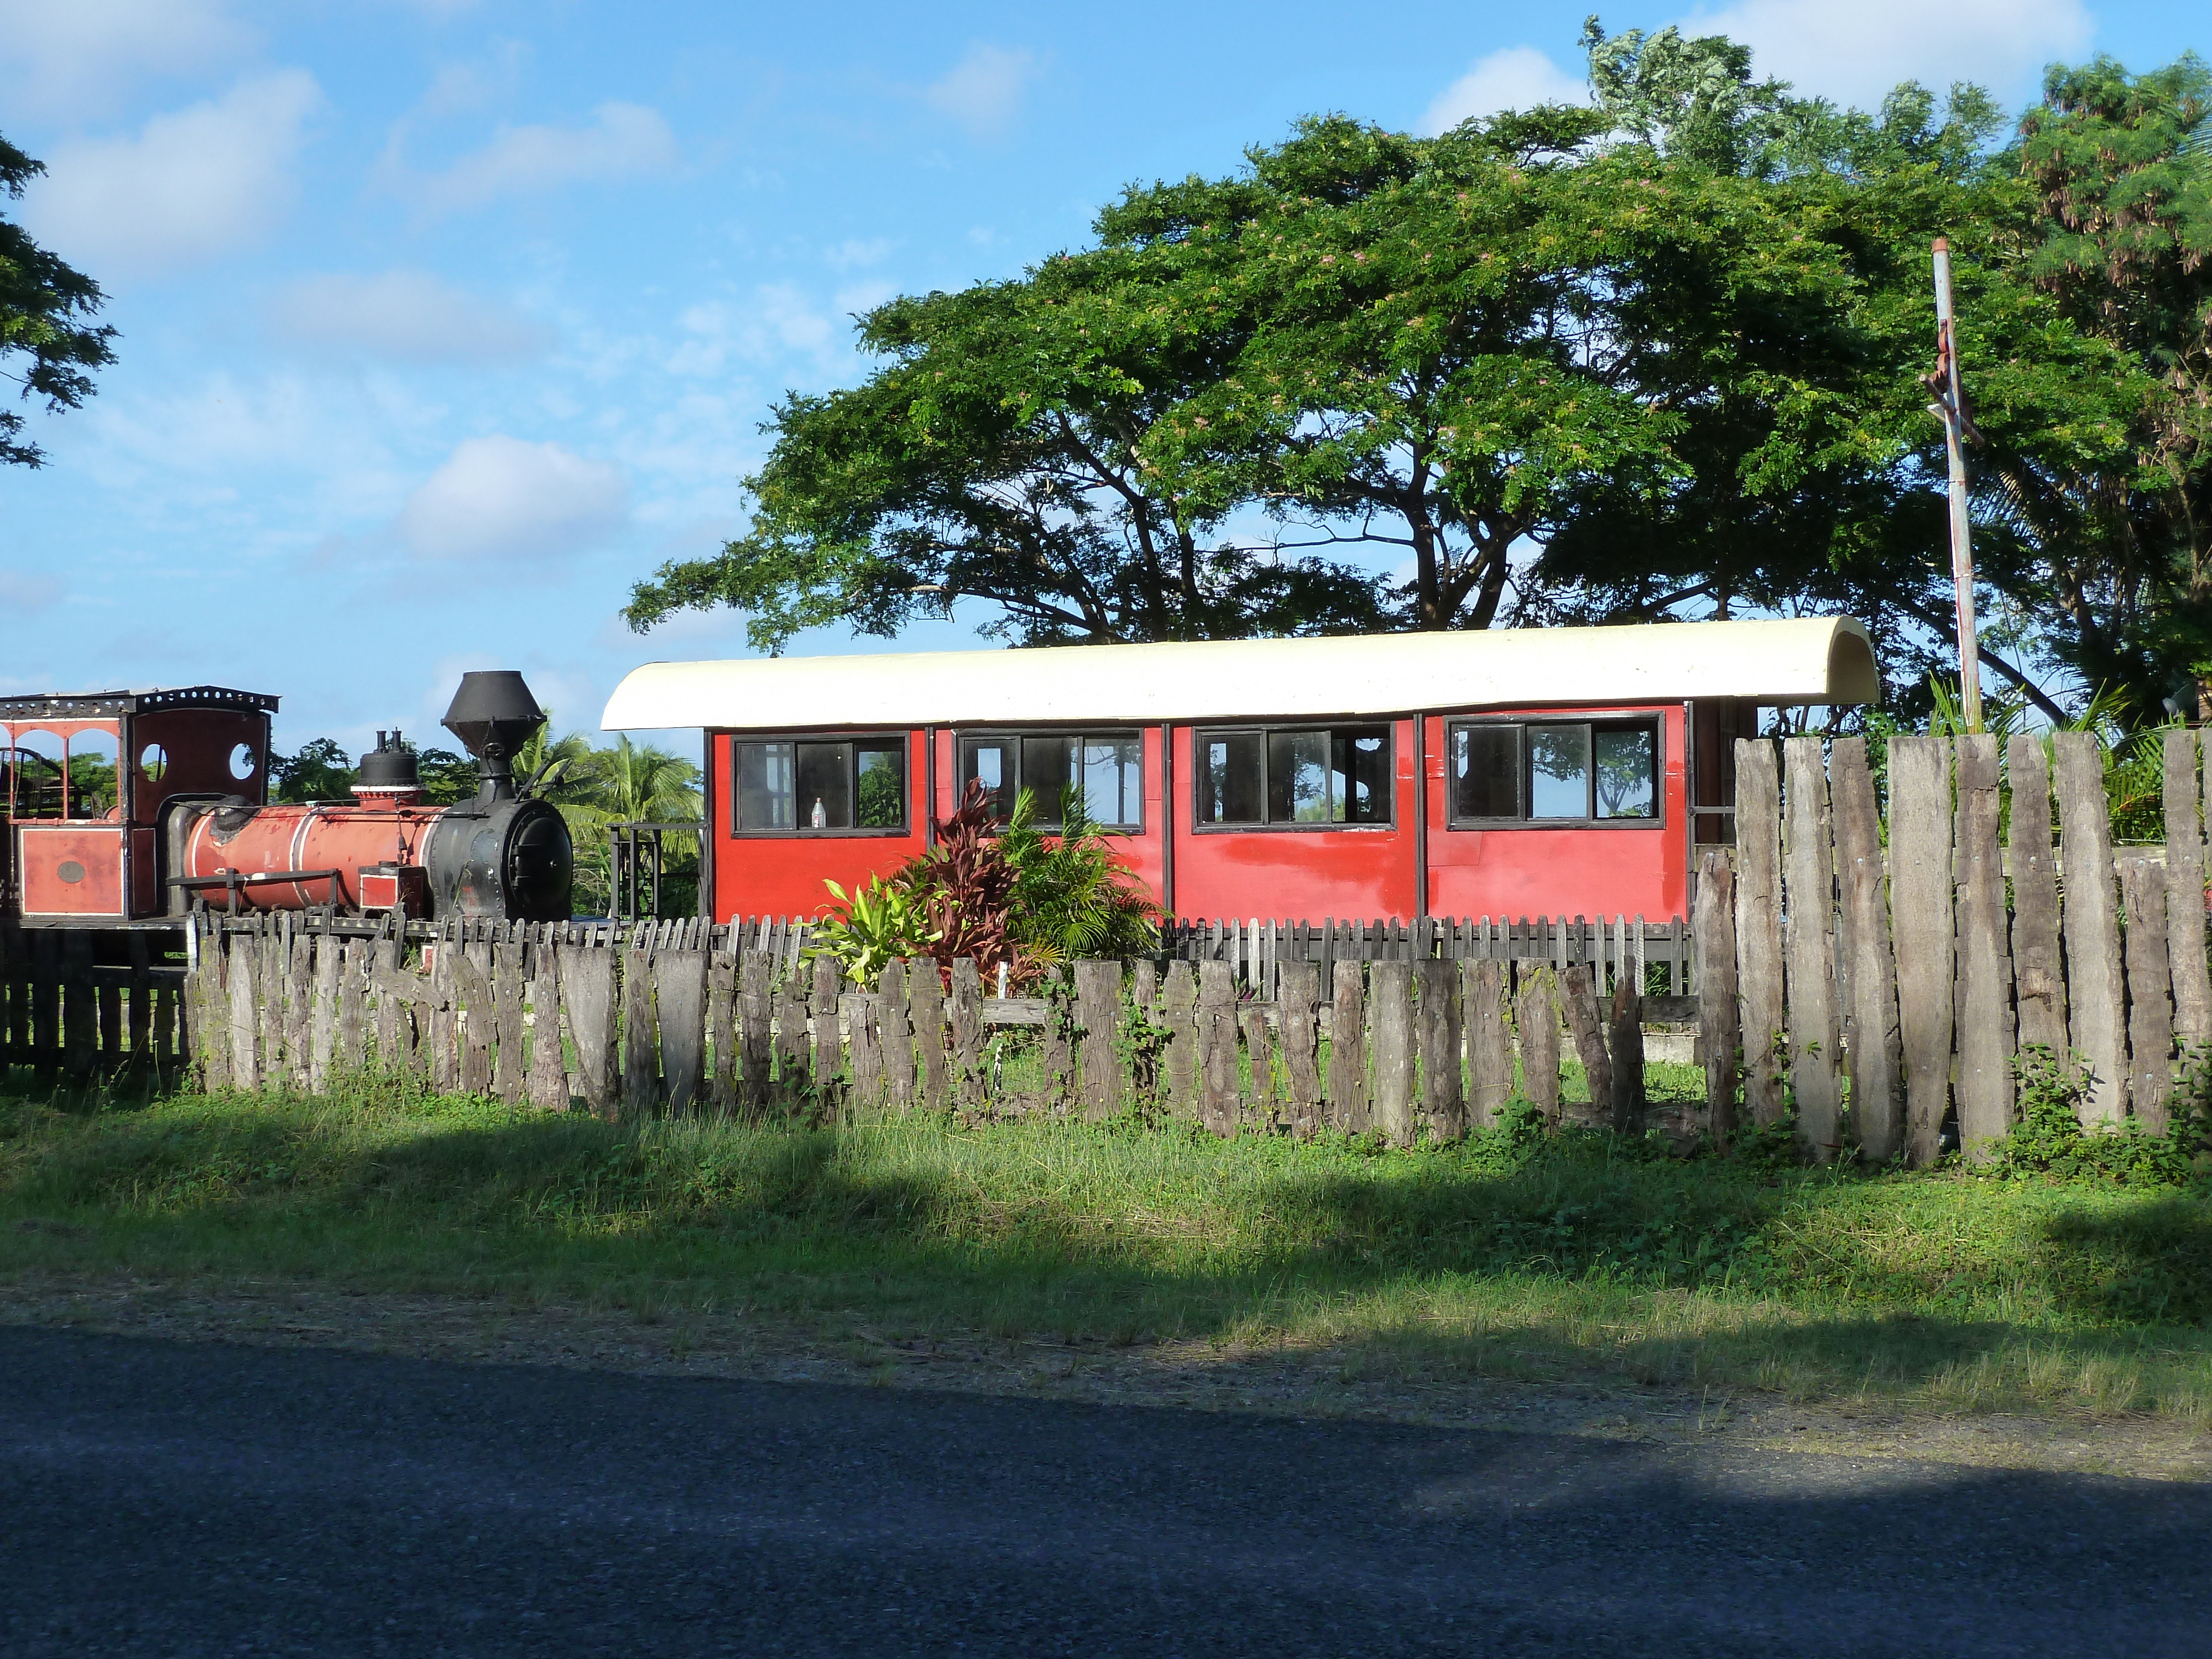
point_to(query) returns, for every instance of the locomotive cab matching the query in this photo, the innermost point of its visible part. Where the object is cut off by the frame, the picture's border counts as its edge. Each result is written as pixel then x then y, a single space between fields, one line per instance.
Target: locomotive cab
pixel 89 781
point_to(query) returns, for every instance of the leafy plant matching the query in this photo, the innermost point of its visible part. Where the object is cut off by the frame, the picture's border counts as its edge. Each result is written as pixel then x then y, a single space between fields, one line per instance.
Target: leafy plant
pixel 881 923
pixel 1005 893
pixel 2050 1139
pixel 965 884
pixel 1071 897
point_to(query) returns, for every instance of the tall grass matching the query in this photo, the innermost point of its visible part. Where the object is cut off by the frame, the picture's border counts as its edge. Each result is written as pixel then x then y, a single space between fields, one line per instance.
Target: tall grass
pixel 1511 1255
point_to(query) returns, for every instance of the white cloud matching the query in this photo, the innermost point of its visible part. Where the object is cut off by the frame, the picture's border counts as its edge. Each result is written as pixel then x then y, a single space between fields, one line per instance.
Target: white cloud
pixel 623 140
pixel 23 594
pixel 501 498
pixel 1856 53
pixel 983 91
pixel 778 322
pixel 409 315
pixel 191 186
pixel 855 251
pixel 77 56
pixel 1518 78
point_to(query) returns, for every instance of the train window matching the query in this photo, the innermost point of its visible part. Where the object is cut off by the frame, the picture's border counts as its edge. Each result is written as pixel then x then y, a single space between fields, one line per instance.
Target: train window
pixel 1102 771
pixel 800 786
pixel 1486 769
pixel 1316 777
pixel 1555 772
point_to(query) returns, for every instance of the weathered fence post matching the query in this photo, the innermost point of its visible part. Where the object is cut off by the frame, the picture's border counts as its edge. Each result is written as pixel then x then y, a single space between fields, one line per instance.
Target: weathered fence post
pixel 1760 973
pixel 1586 1024
pixel 1349 1099
pixel 322 1040
pixel 1624 1043
pixel 1260 1062
pixel 679 988
pixel 791 1045
pixel 1217 1047
pixel 641 1046
pixel 1058 1051
pixel 1298 996
pixel 245 970
pixel 1984 1017
pixel 1390 1026
pixel 1443 1100
pixel 1489 1053
pixel 967 1018
pixel 1097 1018
pixel 1877 1128
pixel 1720 1028
pixel 2096 993
pixel 895 1034
pixel 1536 1022
pixel 925 1001
pixel 2145 895
pixel 2039 974
pixel 828 1032
pixel 547 1084
pixel 1179 1013
pixel 756 1016
pixel 1920 906
pixel 475 1022
pixel 349 1051
pixel 2184 875
pixel 1809 875
pixel 587 992
pixel 722 1018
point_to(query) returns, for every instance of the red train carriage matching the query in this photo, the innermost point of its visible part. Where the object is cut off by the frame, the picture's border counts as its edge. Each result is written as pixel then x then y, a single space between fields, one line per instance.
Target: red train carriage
pixel 1520 772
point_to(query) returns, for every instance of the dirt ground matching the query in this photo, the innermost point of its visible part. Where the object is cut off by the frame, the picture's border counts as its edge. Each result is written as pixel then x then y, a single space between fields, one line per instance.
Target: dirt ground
pixel 1188 1376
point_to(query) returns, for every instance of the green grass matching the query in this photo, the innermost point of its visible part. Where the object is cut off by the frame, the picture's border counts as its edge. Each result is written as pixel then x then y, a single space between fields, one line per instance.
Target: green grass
pixel 1575 1258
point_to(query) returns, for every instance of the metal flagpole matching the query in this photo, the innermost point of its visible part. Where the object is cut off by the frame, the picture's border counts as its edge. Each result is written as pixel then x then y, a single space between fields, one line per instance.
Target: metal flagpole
pixel 1950 408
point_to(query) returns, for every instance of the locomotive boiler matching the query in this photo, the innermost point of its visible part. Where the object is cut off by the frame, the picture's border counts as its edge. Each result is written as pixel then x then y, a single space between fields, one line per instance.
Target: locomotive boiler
pixel 501 854
pixel 128 808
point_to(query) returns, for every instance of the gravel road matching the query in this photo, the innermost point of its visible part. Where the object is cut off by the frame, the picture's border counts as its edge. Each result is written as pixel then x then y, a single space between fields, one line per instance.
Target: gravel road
pixel 164 1497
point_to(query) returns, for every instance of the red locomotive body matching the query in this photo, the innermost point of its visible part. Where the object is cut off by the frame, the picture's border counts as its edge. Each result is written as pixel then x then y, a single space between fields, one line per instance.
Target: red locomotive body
pixel 183 816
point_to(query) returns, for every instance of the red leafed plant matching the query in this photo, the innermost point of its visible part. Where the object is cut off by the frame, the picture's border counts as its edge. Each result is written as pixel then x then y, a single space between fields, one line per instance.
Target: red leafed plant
pixel 967 885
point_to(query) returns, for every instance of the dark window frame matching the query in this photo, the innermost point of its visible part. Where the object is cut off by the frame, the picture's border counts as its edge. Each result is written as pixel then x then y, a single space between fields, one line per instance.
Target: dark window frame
pixel 1653 723
pixel 1014 736
pixel 876 737
pixel 1200 735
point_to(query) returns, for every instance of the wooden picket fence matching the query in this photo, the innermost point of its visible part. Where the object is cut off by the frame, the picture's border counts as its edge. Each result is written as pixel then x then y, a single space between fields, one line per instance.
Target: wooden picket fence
pixel 1882 985
pixel 66 1016
pixel 670 1018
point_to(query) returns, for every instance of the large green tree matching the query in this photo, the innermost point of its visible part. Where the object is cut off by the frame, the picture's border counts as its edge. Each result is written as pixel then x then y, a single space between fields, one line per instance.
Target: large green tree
pixel 2113 541
pixel 999 454
pixel 48 343
pixel 1661 356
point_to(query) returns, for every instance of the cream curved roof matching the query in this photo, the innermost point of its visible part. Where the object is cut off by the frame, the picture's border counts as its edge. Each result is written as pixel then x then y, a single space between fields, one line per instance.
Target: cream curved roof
pixel 1800 661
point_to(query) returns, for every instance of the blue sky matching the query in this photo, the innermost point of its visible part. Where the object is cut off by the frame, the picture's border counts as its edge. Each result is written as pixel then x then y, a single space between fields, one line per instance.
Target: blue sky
pixel 442 323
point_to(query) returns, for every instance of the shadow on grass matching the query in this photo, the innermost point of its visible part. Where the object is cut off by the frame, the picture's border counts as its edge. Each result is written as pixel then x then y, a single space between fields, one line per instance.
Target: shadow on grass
pixel 1567 1258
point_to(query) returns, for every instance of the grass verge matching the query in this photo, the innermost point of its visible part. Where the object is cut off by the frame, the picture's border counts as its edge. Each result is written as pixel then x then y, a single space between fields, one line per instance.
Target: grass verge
pixel 1574 1258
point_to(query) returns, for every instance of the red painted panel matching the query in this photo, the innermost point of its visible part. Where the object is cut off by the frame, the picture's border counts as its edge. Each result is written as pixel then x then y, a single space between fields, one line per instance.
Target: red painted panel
pixel 71 869
pixel 1294 874
pixel 783 875
pixel 1534 871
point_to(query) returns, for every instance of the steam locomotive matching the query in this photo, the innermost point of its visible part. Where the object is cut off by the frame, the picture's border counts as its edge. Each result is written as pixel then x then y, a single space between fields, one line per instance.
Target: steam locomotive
pixel 186 821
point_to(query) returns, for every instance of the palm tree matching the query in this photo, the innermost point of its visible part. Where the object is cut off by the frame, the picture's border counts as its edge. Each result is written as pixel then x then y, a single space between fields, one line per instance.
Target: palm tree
pixel 629 783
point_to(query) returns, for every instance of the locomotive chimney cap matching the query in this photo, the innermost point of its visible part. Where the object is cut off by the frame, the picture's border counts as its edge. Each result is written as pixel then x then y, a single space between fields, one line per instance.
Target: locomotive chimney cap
pixel 493 714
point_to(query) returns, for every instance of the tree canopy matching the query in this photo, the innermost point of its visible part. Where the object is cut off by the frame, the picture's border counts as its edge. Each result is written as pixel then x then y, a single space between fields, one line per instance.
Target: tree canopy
pixel 1660 357
pixel 48 344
